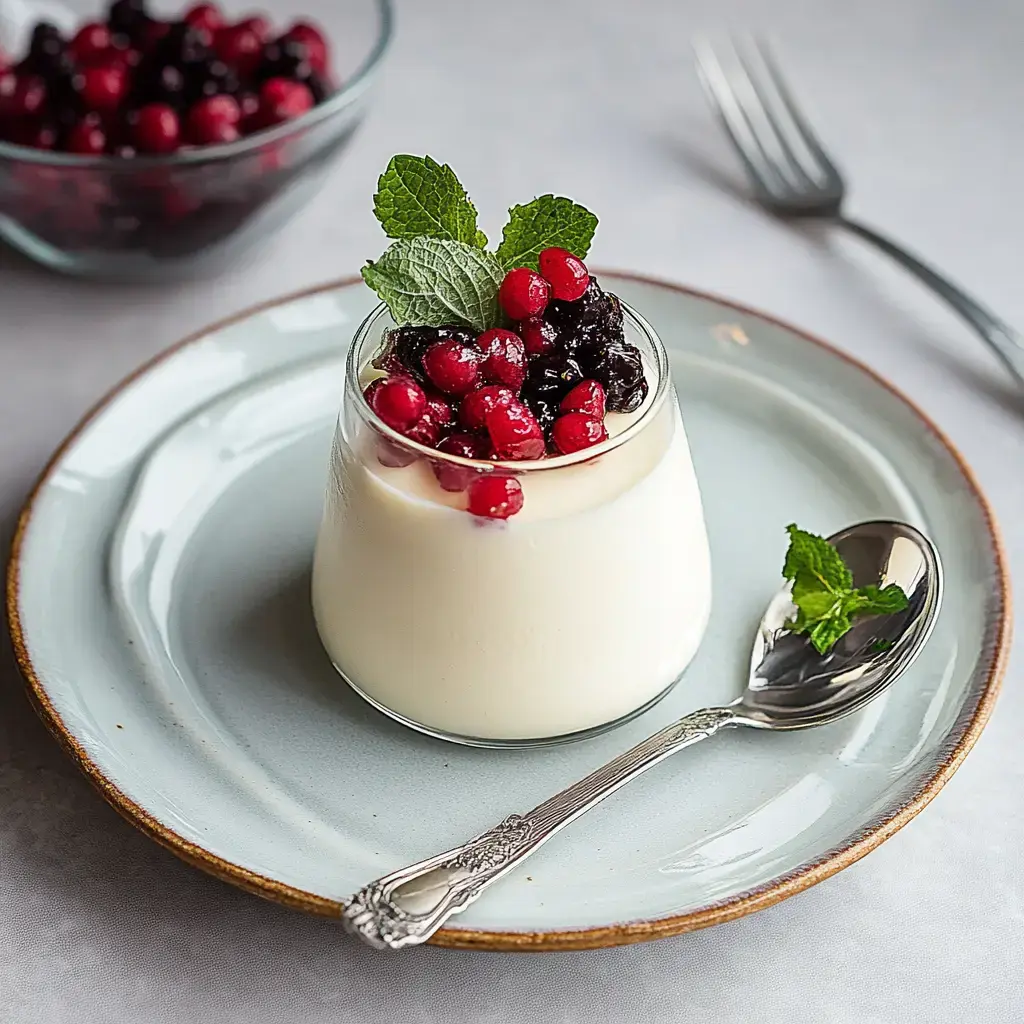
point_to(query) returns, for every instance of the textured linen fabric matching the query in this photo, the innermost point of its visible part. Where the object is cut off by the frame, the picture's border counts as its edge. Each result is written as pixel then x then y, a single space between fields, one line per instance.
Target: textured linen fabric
pixel 595 99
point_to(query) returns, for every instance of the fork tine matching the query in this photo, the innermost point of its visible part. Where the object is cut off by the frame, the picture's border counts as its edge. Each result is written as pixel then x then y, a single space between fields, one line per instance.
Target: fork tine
pixel 760 167
pixel 759 106
pixel 803 127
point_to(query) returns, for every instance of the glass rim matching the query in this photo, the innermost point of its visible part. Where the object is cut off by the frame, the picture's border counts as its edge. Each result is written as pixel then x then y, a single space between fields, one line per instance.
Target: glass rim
pixel 506 466
pixel 351 90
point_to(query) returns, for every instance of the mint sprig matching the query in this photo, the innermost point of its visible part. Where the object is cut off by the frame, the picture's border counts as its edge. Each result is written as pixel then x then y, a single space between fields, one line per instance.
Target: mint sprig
pixel 438 271
pixel 436 281
pixel 416 196
pixel 826 600
pixel 547 221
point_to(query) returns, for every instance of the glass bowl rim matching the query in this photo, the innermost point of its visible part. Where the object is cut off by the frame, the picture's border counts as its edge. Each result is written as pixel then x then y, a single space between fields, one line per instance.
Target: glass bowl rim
pixel 354 87
pixel 352 390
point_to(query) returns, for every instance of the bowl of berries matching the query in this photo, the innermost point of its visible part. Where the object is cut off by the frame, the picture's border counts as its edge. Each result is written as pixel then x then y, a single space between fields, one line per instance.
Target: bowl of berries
pixel 147 142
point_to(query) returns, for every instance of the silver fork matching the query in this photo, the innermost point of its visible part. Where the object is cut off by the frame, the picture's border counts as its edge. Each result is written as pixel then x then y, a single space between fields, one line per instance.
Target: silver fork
pixel 793 176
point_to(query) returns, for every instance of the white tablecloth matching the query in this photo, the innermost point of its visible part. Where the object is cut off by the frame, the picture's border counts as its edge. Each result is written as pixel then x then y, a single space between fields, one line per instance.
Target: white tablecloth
pixel 595 99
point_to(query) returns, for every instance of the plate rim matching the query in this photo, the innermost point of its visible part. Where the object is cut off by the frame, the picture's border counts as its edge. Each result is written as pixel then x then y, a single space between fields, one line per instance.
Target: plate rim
pixel 985 684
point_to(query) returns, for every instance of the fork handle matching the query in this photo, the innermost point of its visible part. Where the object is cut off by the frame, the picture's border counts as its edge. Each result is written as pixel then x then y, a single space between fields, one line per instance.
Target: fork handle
pixel 1007 344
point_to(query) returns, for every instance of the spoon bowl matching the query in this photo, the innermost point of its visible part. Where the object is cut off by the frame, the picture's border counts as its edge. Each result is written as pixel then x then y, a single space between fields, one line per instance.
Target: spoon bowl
pixel 792 686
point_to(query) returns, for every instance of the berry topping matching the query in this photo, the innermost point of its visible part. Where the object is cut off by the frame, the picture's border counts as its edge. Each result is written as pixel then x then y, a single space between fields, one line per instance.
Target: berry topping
pixel 21 95
pixel 204 16
pixel 399 402
pixel 406 345
pixel 313 40
pixel 495 497
pixel 477 404
pixel 439 410
pixel 212 120
pixel 371 389
pixel 514 432
pixel 576 430
pixel 156 129
pixel 452 367
pixel 86 138
pixel 281 100
pixel 523 293
pixel 240 46
pixel 426 430
pixel 91 41
pixel 504 358
pixel 103 87
pixel 565 273
pixel 467 446
pixel 539 337
pixel 619 367
pixel 588 397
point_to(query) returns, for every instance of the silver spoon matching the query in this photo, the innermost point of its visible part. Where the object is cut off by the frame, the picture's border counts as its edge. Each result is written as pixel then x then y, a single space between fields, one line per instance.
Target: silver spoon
pixel 791 686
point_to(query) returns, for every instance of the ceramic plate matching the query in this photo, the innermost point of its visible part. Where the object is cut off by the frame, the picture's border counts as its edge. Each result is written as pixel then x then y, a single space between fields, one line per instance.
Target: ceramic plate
pixel 158 598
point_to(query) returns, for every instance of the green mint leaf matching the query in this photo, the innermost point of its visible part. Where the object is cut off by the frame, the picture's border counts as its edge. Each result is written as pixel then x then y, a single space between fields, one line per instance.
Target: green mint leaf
pixel 417 196
pixel 436 281
pixel 547 221
pixel 884 601
pixel 813 557
pixel 826 600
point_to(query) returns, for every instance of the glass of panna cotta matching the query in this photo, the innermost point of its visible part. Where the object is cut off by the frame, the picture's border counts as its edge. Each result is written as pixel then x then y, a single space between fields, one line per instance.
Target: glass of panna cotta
pixel 566 618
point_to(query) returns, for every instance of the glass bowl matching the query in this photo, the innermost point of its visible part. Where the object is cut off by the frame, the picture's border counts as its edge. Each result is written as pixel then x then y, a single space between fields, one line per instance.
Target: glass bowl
pixel 575 614
pixel 195 212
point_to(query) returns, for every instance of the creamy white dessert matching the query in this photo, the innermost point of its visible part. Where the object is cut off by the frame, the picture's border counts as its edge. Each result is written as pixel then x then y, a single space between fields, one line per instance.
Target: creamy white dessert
pixel 573 613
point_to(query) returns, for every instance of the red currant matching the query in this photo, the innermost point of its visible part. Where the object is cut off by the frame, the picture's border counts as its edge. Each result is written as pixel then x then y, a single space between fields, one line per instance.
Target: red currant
pixel 523 293
pixel 205 16
pixel 240 46
pixel 315 43
pixel 86 138
pixel 538 336
pixel 399 402
pixel 504 358
pixel 515 433
pixel 452 367
pixel 588 397
pixel 495 497
pixel 566 273
pixel 156 129
pixel 575 431
pixel 467 446
pixel 104 86
pixel 281 100
pixel 213 120
pixel 90 42
pixel 477 404
pixel 21 95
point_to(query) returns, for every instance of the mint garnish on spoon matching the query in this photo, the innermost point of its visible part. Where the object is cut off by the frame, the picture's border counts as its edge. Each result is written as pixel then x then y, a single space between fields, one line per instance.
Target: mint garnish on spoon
pixel 826 600
pixel 438 270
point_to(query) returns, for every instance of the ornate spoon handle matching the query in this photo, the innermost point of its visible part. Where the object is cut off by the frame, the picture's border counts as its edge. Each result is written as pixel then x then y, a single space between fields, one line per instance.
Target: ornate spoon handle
pixel 406 907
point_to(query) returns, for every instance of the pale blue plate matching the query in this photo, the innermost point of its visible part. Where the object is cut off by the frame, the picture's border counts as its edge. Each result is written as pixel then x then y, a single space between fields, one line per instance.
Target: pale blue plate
pixel 158 601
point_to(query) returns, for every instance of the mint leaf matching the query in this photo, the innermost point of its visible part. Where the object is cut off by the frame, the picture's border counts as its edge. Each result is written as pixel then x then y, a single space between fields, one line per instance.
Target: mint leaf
pixel 417 196
pixel 813 556
pixel 826 600
pixel 547 221
pixel 435 281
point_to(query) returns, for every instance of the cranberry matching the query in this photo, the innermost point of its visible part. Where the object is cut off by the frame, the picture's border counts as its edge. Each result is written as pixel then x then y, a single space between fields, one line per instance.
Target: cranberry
pixel 213 120
pixel 240 46
pixel 523 293
pixel 439 410
pixel 92 40
pixel 258 24
pixel 426 430
pixel 504 358
pixel 477 404
pixel 281 100
pixel 566 273
pixel 514 432
pixel 575 431
pixel 452 367
pixel 157 129
pixel 495 497
pixel 86 138
pixel 371 389
pixel 204 16
pixel 103 87
pixel 21 95
pixel 393 455
pixel 538 336
pixel 399 402
pixel 313 39
pixel 467 446
pixel 588 397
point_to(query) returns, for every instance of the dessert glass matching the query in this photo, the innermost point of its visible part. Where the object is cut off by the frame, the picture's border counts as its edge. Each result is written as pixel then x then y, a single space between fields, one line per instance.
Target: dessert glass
pixel 572 616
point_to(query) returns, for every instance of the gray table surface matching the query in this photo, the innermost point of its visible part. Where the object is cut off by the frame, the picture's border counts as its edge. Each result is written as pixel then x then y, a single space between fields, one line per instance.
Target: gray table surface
pixel 594 99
